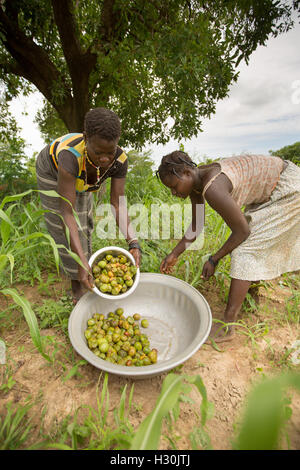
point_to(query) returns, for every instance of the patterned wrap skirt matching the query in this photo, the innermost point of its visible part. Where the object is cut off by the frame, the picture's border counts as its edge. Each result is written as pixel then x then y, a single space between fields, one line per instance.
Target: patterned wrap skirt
pixel 273 246
pixel 47 180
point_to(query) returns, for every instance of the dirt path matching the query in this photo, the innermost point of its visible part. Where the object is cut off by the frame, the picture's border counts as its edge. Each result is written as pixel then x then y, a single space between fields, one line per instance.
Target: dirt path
pixel 227 375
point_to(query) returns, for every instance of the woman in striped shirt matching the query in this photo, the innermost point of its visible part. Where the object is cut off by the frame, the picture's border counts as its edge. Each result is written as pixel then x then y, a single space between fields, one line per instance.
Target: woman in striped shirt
pixel 75 165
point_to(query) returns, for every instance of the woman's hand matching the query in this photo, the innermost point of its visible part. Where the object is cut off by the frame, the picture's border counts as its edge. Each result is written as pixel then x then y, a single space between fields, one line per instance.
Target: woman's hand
pixel 137 256
pixel 207 271
pixel 85 277
pixel 168 263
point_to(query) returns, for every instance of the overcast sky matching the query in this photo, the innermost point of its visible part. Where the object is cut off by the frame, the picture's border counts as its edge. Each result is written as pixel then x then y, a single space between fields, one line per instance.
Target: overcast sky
pixel 261 113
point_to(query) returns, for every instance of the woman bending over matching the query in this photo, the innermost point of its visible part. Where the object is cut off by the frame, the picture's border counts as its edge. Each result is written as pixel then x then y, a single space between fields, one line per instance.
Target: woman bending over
pixel 265 238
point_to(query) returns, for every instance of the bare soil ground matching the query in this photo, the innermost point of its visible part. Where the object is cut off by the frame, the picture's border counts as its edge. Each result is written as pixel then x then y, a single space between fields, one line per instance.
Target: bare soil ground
pixel 227 374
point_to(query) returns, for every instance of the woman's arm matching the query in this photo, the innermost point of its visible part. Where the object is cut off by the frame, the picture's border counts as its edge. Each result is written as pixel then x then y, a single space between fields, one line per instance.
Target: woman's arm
pixel 66 189
pixel 193 231
pixel 118 202
pixel 219 198
pixel 196 226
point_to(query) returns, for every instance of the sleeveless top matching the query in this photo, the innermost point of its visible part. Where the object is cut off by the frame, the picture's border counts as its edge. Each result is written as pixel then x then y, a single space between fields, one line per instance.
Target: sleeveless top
pixel 75 144
pixel 253 177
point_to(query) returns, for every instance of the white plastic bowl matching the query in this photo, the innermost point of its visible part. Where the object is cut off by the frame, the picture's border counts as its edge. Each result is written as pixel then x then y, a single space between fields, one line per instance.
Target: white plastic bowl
pixel 179 323
pixel 115 251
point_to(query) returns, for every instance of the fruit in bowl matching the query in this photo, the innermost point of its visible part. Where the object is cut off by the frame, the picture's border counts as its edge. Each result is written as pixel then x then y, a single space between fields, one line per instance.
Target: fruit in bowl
pixel 114 273
pixel 117 338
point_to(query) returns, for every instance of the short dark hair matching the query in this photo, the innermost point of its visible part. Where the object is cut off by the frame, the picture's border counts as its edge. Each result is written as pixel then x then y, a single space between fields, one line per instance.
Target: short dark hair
pixel 102 122
pixel 174 164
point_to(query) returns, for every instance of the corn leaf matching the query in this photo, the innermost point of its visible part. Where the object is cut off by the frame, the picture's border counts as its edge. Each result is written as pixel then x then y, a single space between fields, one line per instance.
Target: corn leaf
pixel 5 217
pixel 5 229
pixel 148 434
pixel 104 396
pixel 15 197
pixel 198 382
pixel 265 414
pixel 51 241
pixel 3 261
pixel 30 319
pixel 121 409
pixel 50 193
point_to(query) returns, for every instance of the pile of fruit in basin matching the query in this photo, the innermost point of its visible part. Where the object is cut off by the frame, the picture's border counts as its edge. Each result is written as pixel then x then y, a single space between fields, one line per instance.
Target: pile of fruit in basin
pixel 119 339
pixel 113 274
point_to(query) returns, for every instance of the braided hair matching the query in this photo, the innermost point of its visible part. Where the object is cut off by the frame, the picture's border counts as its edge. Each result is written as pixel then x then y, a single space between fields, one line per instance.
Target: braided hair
pixel 174 164
pixel 102 122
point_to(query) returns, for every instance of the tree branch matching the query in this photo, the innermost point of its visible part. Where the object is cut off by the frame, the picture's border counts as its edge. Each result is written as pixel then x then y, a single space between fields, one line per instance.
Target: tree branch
pixel 65 21
pixel 80 63
pixel 108 20
pixel 32 62
pixel 78 60
pixel 12 68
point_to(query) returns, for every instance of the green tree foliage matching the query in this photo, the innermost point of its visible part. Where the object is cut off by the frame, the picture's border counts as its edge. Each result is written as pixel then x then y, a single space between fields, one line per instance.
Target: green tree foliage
pixel 289 152
pixel 14 174
pixel 141 185
pixel 50 125
pixel 146 60
pixel 140 165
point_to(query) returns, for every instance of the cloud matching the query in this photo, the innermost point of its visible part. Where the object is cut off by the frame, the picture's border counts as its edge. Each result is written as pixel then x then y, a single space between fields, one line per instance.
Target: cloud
pixel 262 111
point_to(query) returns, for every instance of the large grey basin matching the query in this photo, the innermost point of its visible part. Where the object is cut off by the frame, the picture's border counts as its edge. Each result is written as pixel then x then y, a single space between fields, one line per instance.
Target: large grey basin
pixel 179 322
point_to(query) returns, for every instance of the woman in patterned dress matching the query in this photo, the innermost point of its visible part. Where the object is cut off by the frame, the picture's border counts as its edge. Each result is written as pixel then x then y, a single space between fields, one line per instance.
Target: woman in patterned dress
pixel 265 238
pixel 75 166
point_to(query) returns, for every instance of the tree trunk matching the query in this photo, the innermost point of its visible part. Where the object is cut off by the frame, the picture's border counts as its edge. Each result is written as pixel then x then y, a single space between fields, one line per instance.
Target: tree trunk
pixel 73 115
pixel 31 62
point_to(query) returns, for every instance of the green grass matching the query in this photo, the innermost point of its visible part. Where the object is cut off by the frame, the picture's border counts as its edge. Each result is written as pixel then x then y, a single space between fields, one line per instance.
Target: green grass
pixel 15 426
pixel 53 313
pixel 292 310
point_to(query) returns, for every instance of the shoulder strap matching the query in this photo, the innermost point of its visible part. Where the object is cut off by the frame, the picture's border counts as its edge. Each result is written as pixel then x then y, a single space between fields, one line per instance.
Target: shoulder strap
pixel 210 182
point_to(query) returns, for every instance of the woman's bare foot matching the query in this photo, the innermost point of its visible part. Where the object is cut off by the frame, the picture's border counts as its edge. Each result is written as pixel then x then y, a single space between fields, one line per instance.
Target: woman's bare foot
pixel 220 332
